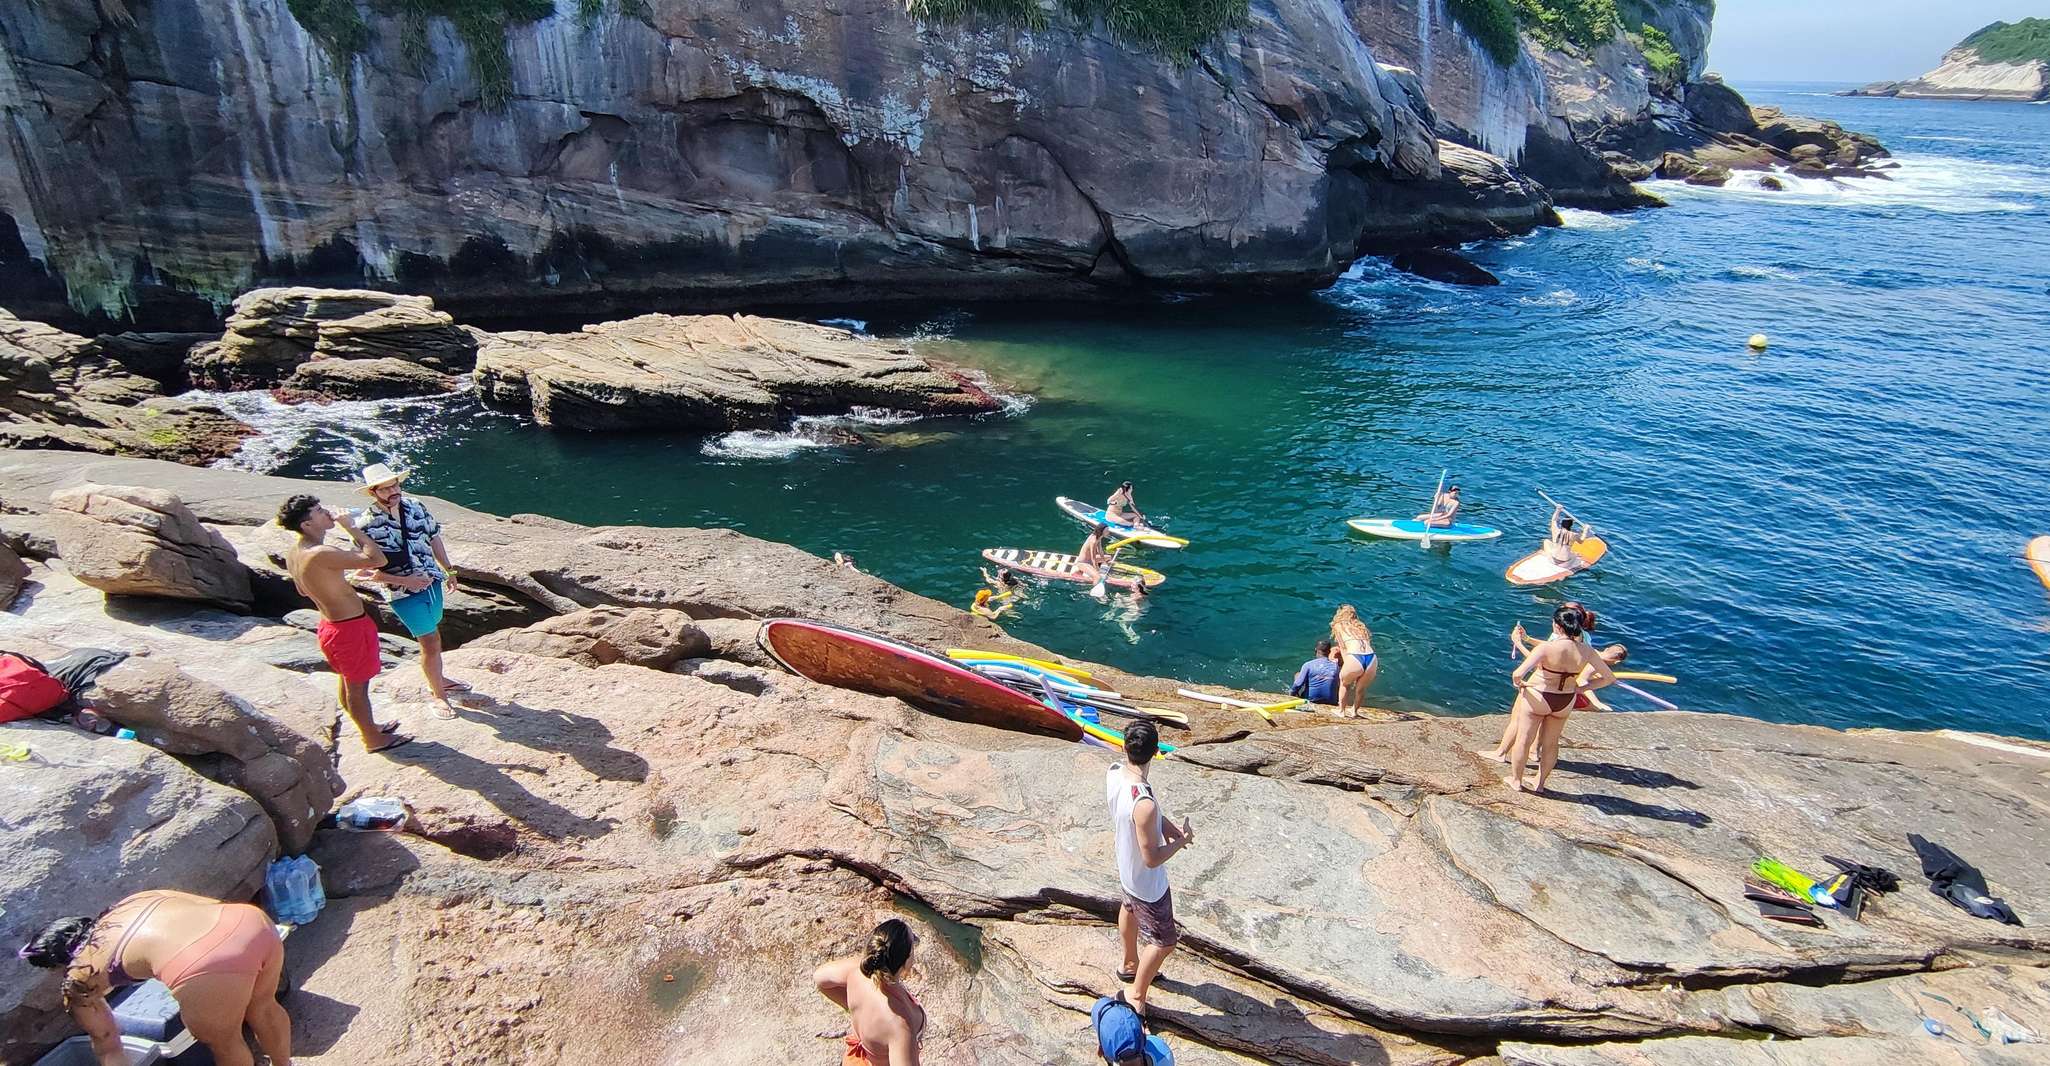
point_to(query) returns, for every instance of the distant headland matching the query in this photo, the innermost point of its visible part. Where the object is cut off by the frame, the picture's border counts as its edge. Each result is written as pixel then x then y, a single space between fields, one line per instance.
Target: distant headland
pixel 2004 61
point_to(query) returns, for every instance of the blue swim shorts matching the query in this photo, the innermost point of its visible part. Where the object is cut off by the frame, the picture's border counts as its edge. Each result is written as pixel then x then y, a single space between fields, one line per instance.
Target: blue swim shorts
pixel 420 612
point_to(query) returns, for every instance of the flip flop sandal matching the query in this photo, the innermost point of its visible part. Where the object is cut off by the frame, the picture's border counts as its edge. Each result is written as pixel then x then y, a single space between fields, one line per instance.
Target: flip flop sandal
pixel 389 728
pixel 443 712
pixel 1128 976
pixel 453 685
pixel 395 742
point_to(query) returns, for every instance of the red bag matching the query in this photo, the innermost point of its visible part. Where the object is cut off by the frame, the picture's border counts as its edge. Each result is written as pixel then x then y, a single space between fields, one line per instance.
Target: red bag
pixel 26 690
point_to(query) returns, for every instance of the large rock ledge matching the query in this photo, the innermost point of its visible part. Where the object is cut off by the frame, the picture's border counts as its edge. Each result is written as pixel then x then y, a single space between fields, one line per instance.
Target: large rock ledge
pixel 635 827
pixel 680 373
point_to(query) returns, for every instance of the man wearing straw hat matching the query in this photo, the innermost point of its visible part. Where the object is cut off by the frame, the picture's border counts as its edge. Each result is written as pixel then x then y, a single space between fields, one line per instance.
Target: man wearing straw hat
pixel 415 571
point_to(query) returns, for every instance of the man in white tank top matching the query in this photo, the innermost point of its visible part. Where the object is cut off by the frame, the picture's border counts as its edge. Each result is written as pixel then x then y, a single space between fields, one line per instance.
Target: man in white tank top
pixel 1145 840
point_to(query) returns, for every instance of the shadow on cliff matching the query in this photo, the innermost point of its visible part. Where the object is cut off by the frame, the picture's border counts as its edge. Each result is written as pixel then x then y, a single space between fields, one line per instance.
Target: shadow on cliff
pixel 586 740
pixel 1627 775
pixel 1619 807
pixel 318 1021
pixel 492 783
pixel 1281 1023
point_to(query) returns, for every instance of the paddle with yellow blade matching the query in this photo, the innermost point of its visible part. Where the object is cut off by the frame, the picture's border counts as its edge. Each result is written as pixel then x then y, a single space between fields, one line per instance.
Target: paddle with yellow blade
pixel 1149 540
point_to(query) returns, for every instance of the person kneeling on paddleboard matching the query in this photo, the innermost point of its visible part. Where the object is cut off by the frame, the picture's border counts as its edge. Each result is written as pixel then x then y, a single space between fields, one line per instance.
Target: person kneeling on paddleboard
pixel 1444 510
pixel 1090 559
pixel 1121 509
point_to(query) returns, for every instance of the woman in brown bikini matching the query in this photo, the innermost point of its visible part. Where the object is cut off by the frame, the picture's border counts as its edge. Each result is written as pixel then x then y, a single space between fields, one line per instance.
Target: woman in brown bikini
pixel 884 1020
pixel 1549 680
pixel 221 962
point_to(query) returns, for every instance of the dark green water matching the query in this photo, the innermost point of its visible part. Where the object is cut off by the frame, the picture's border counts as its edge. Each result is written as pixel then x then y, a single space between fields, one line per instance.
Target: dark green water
pixel 1827 532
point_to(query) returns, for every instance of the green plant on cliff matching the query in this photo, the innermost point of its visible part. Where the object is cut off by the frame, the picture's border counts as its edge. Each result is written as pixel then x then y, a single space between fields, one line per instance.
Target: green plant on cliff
pixel 1667 68
pixel 1498 25
pixel 337 24
pixel 1173 28
pixel 2012 42
pixel 1578 23
pixel 480 24
pixel 1493 24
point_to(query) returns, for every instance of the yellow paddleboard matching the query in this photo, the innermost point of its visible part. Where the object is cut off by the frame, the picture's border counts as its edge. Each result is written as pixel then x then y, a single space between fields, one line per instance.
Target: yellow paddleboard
pixel 1639 675
pixel 2039 559
pixel 973 653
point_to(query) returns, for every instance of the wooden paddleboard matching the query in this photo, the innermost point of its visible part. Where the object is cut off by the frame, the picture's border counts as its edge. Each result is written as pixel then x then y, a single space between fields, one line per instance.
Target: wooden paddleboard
pixel 865 662
pixel 2039 559
pixel 1537 568
pixel 1059 567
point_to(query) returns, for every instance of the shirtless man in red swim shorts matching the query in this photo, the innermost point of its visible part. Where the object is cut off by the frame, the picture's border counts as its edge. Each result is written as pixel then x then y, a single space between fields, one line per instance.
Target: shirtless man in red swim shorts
pixel 348 636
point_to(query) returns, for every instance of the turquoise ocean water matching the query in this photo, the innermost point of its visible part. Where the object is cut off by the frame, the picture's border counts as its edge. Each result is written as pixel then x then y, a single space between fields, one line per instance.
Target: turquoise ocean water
pixel 1826 532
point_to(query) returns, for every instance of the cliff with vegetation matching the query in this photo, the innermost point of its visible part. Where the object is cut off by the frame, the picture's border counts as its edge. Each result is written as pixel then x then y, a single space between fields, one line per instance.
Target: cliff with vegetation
pixel 609 157
pixel 2004 61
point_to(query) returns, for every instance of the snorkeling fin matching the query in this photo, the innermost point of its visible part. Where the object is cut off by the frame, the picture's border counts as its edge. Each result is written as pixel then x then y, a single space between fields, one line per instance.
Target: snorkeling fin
pixel 1791 915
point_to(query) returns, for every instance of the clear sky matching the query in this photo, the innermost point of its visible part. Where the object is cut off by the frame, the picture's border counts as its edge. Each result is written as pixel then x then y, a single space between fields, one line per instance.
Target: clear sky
pixel 1847 40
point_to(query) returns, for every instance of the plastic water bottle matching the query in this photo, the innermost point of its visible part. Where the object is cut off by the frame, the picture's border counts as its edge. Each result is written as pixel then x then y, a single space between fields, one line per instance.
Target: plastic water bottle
pixel 277 891
pixel 317 895
pixel 124 734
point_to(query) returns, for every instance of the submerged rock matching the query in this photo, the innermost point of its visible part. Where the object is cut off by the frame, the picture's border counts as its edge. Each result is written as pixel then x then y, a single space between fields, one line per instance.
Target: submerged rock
pixel 704 372
pixel 1441 265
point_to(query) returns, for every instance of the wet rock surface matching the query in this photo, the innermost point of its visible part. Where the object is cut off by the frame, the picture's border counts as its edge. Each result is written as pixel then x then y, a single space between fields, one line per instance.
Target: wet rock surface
pixel 66 392
pixel 608 857
pixel 705 372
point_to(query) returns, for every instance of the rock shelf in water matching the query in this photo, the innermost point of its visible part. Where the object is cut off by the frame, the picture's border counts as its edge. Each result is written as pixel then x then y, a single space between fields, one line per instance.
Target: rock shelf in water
pixel 1360 891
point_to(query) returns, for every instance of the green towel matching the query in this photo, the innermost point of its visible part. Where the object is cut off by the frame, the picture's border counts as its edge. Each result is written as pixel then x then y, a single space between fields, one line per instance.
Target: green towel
pixel 1785 876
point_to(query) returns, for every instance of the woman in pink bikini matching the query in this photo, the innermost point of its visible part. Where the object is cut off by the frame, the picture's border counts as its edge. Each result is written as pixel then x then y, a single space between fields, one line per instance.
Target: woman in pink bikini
pixel 221 962
pixel 884 1020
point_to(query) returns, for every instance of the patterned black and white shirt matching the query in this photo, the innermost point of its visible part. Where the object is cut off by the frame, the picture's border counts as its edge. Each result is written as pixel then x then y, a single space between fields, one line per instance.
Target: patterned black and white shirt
pixel 410 551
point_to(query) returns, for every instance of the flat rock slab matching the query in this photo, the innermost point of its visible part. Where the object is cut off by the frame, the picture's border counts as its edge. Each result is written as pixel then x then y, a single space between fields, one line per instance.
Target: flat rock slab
pixel 701 372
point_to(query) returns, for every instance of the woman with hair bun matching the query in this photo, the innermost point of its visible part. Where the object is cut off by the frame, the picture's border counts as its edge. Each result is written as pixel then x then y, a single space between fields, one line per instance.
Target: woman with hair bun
pixel 884 1020
pixel 221 962
pixel 1551 678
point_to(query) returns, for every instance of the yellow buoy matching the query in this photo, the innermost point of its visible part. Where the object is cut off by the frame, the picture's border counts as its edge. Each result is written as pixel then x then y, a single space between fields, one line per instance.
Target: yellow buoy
pixel 1758 342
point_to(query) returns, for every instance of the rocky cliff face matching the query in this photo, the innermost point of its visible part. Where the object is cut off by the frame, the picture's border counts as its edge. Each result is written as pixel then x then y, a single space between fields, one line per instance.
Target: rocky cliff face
pixel 1964 75
pixel 167 154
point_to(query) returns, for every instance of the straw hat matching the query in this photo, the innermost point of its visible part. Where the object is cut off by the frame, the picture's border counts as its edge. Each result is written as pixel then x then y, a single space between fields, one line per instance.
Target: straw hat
pixel 378 475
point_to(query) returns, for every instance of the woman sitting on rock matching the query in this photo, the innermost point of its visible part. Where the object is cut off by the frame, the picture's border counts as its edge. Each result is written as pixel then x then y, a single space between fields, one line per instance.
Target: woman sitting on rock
pixel 884 1020
pixel 221 962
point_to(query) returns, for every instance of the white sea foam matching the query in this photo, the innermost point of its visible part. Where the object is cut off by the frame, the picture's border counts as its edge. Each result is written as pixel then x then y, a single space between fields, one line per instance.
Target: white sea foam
pixel 805 433
pixel 1555 298
pixel 1638 262
pixel 1580 218
pixel 1769 273
pixel 358 432
pixel 1932 183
